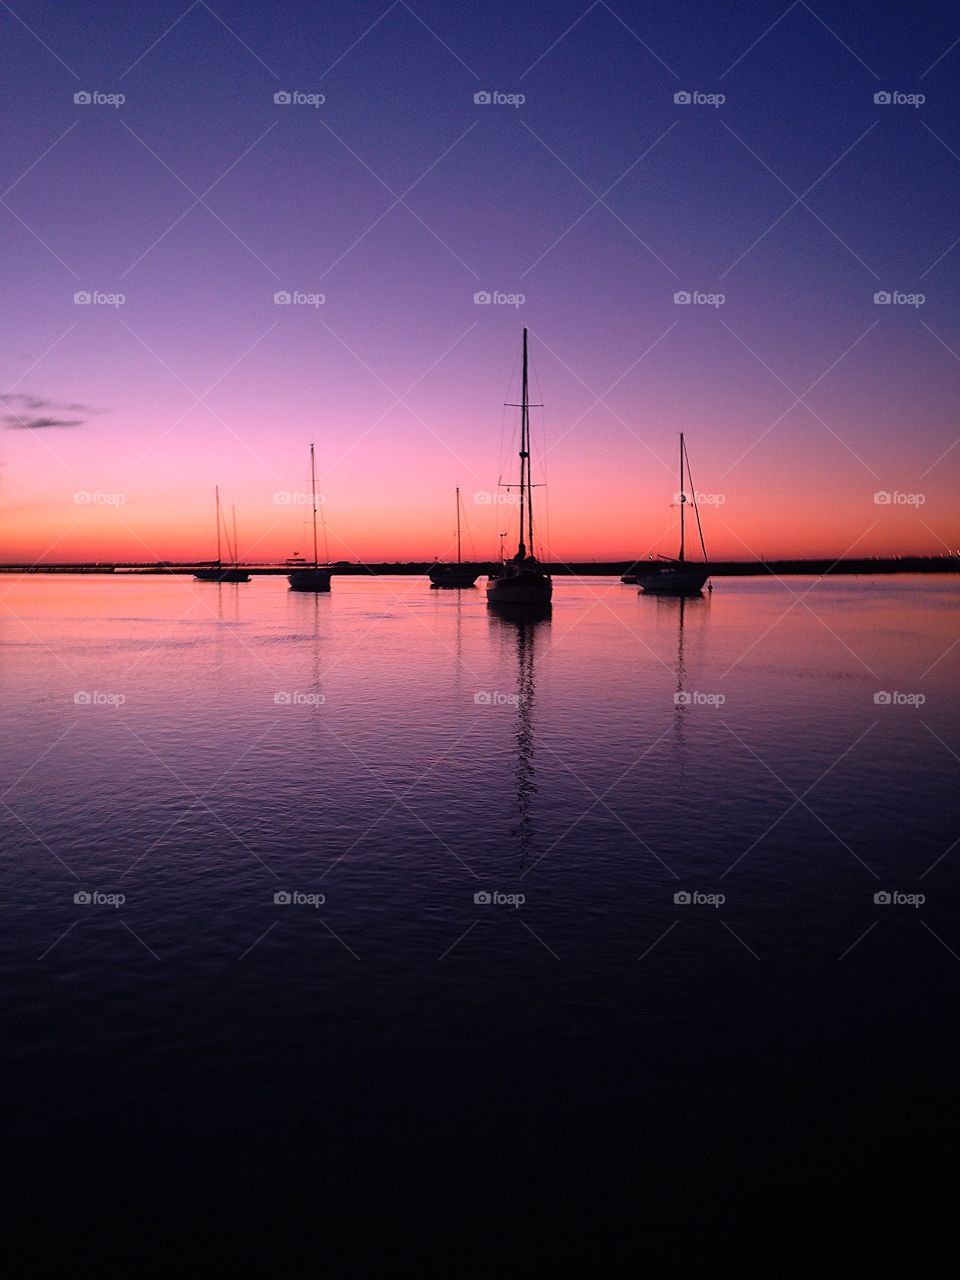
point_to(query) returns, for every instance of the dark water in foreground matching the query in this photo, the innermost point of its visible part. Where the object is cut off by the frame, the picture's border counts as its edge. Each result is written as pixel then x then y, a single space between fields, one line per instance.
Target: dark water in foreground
pixel 200 749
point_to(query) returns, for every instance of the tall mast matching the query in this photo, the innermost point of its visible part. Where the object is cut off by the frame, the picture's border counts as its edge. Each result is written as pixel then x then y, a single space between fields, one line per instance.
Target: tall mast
pixel 458 525
pixel 236 545
pixel 683 497
pixel 216 490
pixel 313 497
pixel 525 495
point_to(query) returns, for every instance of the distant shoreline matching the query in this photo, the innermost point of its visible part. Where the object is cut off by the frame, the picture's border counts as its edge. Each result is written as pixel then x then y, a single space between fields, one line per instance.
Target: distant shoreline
pixel 586 568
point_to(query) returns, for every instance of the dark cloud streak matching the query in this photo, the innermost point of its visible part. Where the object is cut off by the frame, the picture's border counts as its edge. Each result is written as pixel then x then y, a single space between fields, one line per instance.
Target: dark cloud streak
pixel 30 420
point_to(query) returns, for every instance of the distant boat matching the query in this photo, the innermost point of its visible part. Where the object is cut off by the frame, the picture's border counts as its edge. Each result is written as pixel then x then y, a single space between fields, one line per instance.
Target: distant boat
pixel 521 582
pixel 630 579
pixel 667 577
pixel 313 577
pixel 454 575
pixel 217 573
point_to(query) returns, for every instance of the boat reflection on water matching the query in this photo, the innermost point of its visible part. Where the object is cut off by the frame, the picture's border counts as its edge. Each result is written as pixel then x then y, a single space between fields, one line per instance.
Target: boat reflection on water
pixel 681 612
pixel 526 624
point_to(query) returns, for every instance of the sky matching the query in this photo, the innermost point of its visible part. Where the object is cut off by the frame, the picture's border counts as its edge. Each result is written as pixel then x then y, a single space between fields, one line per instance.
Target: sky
pixel 577 194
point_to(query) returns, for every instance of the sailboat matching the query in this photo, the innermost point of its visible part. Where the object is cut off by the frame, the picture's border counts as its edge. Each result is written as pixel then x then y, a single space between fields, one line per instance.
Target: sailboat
pixel 311 577
pixel 454 575
pixel 680 577
pixel 521 581
pixel 218 573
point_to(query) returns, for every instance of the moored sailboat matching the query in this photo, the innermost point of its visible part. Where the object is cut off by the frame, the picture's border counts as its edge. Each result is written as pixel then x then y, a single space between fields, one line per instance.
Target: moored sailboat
pixel 217 572
pixel 521 582
pixel 312 577
pixel 454 575
pixel 679 577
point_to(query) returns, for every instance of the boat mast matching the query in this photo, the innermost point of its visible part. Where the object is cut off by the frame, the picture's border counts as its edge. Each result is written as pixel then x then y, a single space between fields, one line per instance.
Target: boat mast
pixel 459 561
pixel 313 497
pixel 236 545
pixel 683 497
pixel 525 495
pixel 216 490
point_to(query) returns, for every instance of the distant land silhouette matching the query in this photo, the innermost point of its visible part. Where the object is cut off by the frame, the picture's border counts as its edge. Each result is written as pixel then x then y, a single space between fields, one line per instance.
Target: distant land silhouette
pixel 576 568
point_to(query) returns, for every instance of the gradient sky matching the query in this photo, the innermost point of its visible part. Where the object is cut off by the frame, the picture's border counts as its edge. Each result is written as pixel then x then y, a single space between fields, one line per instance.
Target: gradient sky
pixel 400 198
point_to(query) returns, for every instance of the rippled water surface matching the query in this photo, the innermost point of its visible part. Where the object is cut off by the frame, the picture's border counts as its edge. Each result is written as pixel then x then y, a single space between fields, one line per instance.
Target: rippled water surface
pixel 778 752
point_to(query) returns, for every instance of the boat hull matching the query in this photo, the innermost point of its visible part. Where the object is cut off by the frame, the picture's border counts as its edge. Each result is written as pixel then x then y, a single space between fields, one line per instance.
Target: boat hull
pixel 686 581
pixel 453 575
pixel 530 589
pixel 629 579
pixel 309 580
pixel 221 575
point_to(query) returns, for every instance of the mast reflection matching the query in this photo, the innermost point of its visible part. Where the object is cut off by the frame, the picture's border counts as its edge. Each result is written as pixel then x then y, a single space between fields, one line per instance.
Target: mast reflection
pixel 524 627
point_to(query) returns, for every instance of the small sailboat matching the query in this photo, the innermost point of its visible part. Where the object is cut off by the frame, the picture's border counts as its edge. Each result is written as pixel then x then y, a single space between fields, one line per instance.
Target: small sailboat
pixel 680 577
pixel 313 577
pixel 217 572
pixel 521 581
pixel 454 575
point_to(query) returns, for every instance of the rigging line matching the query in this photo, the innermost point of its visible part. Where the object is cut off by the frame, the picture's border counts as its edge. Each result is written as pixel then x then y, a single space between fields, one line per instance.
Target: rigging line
pixel 696 506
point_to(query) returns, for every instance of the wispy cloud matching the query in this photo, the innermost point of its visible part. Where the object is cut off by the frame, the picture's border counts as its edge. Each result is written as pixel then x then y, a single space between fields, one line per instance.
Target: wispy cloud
pixel 24 413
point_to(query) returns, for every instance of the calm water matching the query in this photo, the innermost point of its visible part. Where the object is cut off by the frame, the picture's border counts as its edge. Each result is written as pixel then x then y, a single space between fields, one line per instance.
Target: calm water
pixel 386 753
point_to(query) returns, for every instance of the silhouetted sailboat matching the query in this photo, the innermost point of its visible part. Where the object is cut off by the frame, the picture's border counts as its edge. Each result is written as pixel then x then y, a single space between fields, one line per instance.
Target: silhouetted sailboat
pixel 521 581
pixel 312 577
pixel 668 577
pixel 454 575
pixel 218 573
